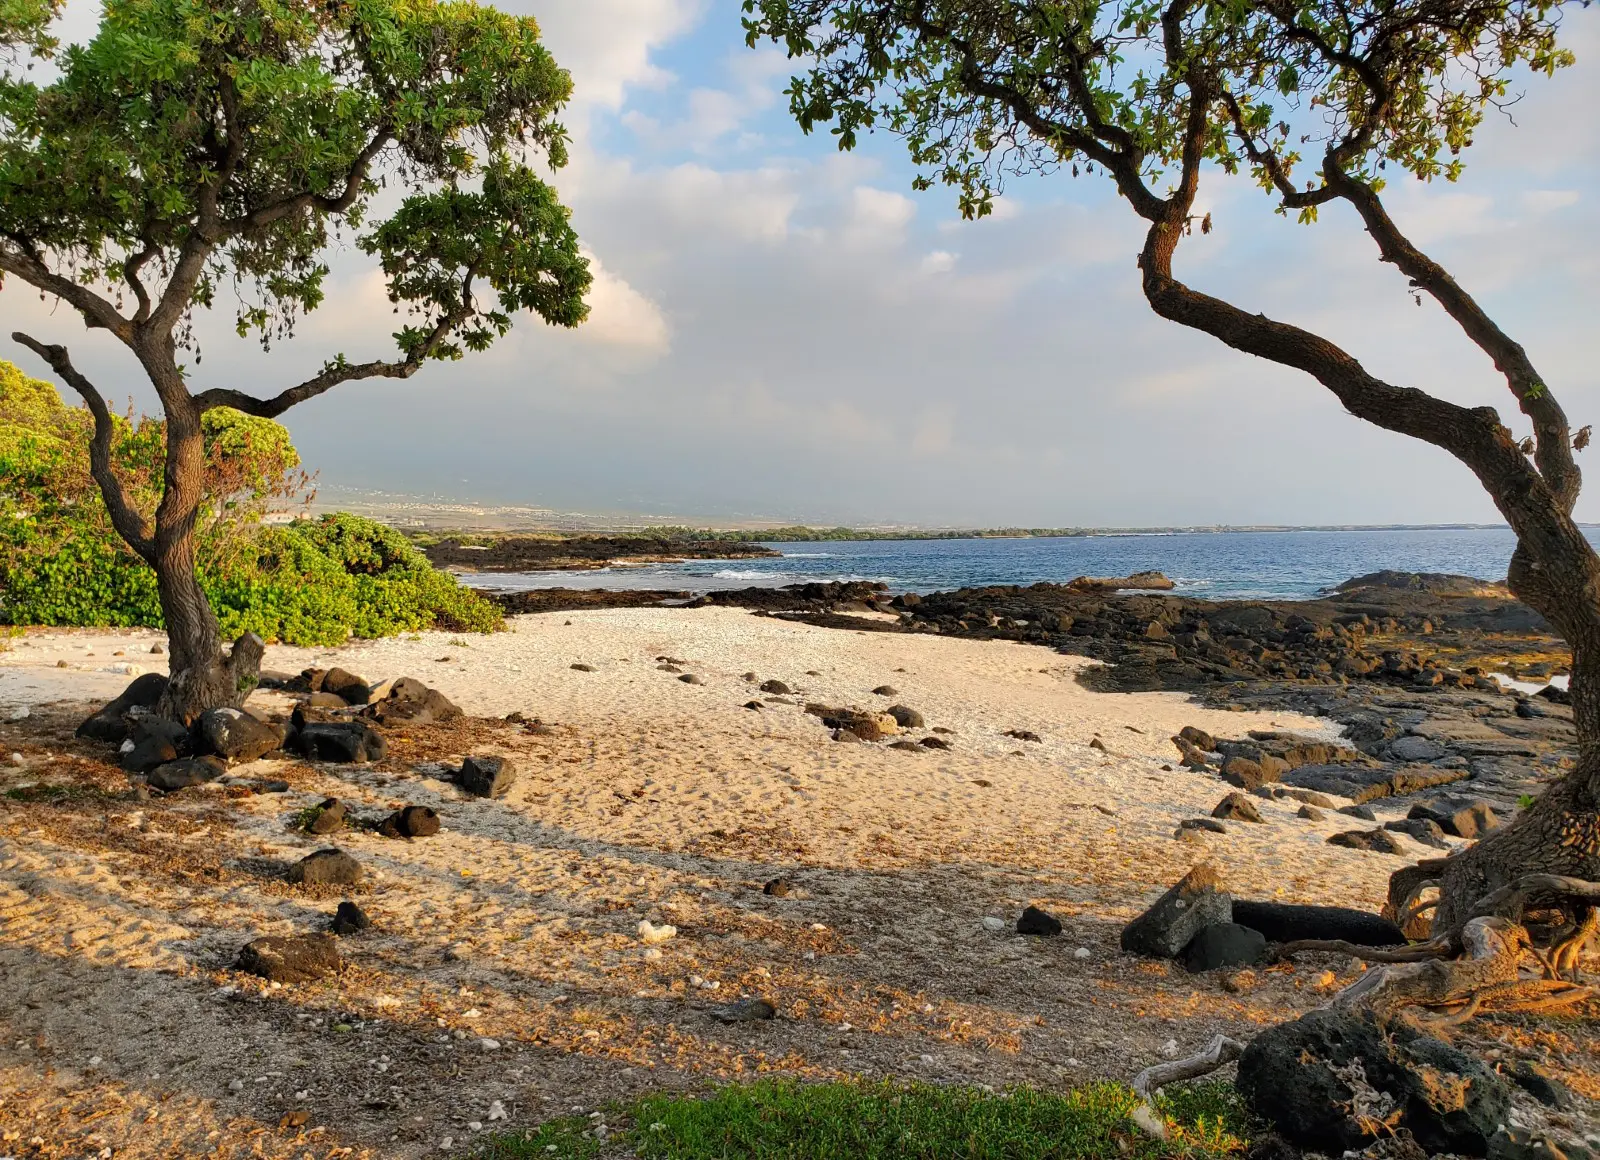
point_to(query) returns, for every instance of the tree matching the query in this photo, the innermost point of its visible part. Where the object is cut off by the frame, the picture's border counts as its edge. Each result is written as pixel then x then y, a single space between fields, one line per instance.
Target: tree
pixel 1156 95
pixel 193 146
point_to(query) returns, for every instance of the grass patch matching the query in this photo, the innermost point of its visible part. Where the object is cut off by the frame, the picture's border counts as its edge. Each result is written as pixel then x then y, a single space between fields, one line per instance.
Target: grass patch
pixel 784 1120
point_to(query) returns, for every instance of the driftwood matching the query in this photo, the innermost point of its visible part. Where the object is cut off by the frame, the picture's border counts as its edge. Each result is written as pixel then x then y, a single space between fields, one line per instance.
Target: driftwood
pixel 1220 1051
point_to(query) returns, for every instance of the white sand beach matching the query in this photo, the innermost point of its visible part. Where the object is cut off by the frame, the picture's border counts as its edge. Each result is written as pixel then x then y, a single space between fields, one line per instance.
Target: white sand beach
pixel 645 798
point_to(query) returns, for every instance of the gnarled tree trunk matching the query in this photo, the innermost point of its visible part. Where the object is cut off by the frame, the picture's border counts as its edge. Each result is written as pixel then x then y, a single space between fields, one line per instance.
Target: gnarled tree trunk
pixel 201 677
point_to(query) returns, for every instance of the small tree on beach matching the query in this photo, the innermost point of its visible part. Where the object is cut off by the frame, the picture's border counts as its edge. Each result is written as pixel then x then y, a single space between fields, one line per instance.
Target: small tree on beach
pixel 196 146
pixel 1319 101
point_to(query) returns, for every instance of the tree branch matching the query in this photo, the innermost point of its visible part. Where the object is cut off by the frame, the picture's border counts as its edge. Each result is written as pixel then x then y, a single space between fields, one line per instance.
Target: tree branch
pixel 354 180
pixel 130 524
pixel 334 374
pixel 19 258
pixel 1552 434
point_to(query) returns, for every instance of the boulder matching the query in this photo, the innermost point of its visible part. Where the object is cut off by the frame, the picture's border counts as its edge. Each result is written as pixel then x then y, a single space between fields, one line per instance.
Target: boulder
pixel 153 741
pixel 1244 772
pixel 185 772
pixel 413 702
pixel 353 689
pixel 1299 1076
pixel 349 919
pixel 691 679
pixel 488 777
pixel 777 888
pixel 1238 808
pixel 935 743
pixel 1363 812
pixel 330 867
pixel 343 742
pixel 108 724
pixel 906 718
pixel 1459 817
pixel 1424 830
pixel 410 822
pixel 1023 735
pixel 327 818
pixel 1223 944
pixel 886 691
pixel 236 736
pixel 776 688
pixel 325 700
pixel 1309 797
pixel 1040 922
pixel 1196 901
pixel 1376 841
pixel 1282 922
pixel 1199 738
pixel 1210 825
pixel 1310 813
pixel 290 959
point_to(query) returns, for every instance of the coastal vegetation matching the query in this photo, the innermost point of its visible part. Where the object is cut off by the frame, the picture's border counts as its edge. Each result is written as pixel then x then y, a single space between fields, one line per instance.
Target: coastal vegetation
pixel 194 146
pixel 312 581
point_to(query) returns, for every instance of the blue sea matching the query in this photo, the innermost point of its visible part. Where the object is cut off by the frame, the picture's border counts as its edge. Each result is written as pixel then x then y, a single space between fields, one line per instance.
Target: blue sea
pixel 1212 565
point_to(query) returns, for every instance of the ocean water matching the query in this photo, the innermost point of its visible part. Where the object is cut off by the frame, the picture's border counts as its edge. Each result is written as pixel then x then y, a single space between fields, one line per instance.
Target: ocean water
pixel 1213 565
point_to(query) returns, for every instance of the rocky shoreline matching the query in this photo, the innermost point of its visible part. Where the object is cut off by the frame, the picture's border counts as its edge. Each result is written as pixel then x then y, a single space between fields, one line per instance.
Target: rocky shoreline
pixel 576 553
pixel 1405 662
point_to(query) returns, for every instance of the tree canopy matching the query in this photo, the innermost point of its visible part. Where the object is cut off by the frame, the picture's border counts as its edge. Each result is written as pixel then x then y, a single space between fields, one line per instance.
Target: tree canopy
pixel 193 147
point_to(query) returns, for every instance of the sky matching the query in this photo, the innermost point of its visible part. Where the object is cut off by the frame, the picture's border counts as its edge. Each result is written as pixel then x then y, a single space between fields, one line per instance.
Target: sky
pixel 780 331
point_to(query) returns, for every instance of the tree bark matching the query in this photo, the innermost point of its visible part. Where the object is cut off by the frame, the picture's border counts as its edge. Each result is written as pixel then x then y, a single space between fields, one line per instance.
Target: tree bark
pixel 201 677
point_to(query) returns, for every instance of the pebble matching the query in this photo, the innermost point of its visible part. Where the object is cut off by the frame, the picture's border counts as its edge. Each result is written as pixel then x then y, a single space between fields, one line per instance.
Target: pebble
pixel 1081 953
pixel 1170 1049
pixel 497 1111
pixel 489 1044
pixel 990 922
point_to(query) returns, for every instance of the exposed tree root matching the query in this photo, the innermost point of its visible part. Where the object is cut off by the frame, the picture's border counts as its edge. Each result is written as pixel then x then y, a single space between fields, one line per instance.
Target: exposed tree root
pixel 1416 952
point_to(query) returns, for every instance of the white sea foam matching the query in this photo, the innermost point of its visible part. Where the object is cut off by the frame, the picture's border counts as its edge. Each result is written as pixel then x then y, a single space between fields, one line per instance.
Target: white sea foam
pixel 731 574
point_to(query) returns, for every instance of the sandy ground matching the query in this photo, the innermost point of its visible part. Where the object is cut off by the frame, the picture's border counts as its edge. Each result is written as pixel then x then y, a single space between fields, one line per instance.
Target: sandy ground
pixel 505 980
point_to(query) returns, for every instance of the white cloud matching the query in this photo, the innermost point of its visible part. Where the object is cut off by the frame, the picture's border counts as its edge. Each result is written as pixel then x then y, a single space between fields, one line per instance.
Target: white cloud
pixel 938 262
pixel 621 316
pixel 1548 200
pixel 751 205
pixel 606 44
pixel 877 216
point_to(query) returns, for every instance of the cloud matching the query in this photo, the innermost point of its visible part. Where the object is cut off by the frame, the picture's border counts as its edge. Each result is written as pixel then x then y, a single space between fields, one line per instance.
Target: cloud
pixel 607 44
pixel 621 316
pixel 938 262
pixel 877 217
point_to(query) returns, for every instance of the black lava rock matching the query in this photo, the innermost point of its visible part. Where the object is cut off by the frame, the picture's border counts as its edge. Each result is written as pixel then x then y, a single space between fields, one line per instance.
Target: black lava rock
pixel 328 818
pixel 349 919
pixel 1225 944
pixel 290 959
pixel 489 777
pixel 236 736
pixel 410 822
pixel 185 772
pixel 1196 901
pixel 342 742
pixel 1040 922
pixel 110 724
pixel 1290 1074
pixel 326 868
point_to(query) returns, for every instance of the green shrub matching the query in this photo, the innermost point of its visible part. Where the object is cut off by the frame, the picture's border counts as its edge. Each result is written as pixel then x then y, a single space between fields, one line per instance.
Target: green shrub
pixel 311 582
